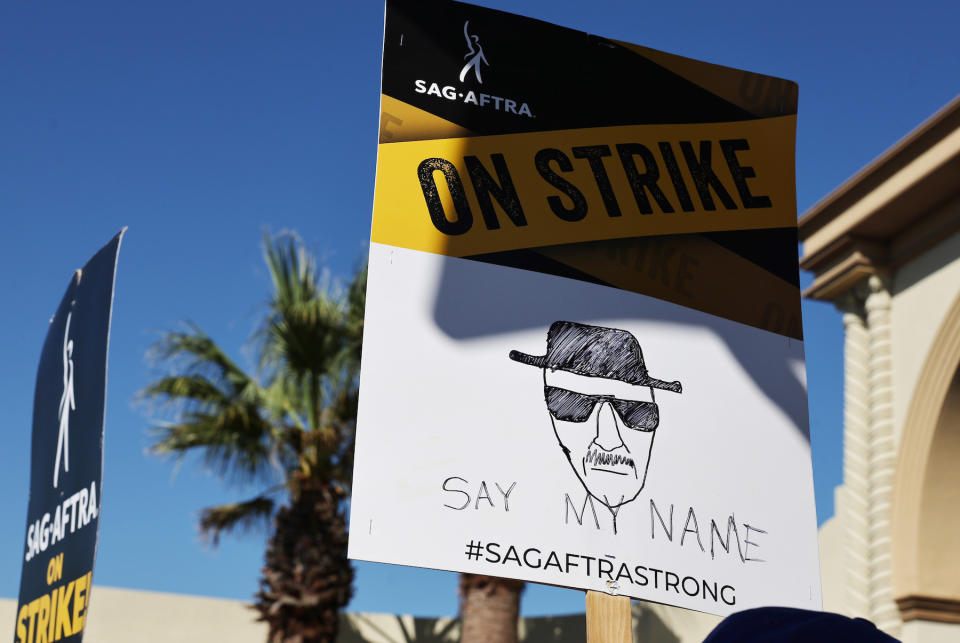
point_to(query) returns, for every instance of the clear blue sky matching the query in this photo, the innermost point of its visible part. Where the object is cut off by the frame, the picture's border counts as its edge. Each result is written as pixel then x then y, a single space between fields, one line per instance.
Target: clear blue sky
pixel 199 125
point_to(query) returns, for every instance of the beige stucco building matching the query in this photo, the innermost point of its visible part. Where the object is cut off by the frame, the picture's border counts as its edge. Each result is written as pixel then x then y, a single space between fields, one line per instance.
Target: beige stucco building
pixel 885 248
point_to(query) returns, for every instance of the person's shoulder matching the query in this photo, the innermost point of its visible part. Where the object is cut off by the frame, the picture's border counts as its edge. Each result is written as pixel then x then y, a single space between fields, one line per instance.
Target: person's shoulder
pixel 787 625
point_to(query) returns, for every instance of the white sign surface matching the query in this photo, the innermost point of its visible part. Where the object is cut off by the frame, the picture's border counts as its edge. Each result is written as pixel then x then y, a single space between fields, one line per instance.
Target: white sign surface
pixel 525 425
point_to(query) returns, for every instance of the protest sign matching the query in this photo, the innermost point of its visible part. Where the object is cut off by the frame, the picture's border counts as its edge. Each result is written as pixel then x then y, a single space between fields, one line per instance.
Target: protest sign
pixel 66 459
pixel 583 357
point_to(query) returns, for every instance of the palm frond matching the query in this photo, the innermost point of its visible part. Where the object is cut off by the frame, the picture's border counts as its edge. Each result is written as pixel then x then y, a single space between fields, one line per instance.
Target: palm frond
pixel 302 330
pixel 181 388
pixel 241 515
pixel 236 442
pixel 310 335
pixel 293 270
pixel 305 337
pixel 356 306
pixel 193 351
pixel 217 409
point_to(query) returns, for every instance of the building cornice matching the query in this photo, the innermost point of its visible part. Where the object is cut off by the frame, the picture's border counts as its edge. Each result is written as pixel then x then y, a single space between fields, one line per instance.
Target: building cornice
pixel 927 135
pixel 929 608
pixel 843 264
pixel 889 212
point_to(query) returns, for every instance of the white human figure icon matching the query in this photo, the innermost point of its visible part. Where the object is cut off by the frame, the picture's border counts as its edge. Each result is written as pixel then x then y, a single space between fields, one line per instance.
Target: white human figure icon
pixel 476 51
pixel 67 404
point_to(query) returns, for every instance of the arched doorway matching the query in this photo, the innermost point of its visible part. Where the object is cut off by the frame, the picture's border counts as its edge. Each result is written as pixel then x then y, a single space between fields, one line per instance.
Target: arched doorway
pixel 926 500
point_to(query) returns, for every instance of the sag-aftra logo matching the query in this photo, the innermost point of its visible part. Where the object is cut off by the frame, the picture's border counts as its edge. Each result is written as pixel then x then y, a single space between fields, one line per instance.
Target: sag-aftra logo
pixel 474 61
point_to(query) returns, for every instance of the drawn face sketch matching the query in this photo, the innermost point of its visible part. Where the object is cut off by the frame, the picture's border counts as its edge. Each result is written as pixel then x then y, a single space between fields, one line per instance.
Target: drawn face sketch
pixel 600 400
pixel 605 428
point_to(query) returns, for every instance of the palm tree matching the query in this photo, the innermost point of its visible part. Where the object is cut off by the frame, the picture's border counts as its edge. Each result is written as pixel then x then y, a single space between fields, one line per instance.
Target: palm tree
pixel 291 423
pixel 489 608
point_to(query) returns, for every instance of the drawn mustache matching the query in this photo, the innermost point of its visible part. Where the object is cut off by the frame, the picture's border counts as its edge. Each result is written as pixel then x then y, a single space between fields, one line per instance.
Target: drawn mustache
pixel 603 458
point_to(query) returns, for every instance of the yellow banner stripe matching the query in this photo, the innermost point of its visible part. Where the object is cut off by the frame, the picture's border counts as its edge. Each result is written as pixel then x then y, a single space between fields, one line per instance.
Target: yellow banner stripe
pixel 464 196
pixel 401 121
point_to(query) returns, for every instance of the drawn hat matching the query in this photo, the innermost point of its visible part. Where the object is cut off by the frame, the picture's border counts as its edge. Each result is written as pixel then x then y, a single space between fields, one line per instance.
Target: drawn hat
pixel 595 351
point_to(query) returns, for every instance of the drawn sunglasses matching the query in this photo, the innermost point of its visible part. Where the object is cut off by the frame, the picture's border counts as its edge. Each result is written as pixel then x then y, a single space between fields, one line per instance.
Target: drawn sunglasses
pixel 570 406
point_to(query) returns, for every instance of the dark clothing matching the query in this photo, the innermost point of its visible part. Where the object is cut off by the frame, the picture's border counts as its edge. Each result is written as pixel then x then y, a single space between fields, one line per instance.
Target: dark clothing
pixel 789 625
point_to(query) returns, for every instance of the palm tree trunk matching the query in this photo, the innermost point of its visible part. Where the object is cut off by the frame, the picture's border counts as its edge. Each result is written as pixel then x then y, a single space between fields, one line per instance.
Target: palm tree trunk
pixel 307 578
pixel 489 609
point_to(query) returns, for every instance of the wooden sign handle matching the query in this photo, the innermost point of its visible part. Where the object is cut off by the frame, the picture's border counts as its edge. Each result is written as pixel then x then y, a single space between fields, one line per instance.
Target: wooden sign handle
pixel 608 618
